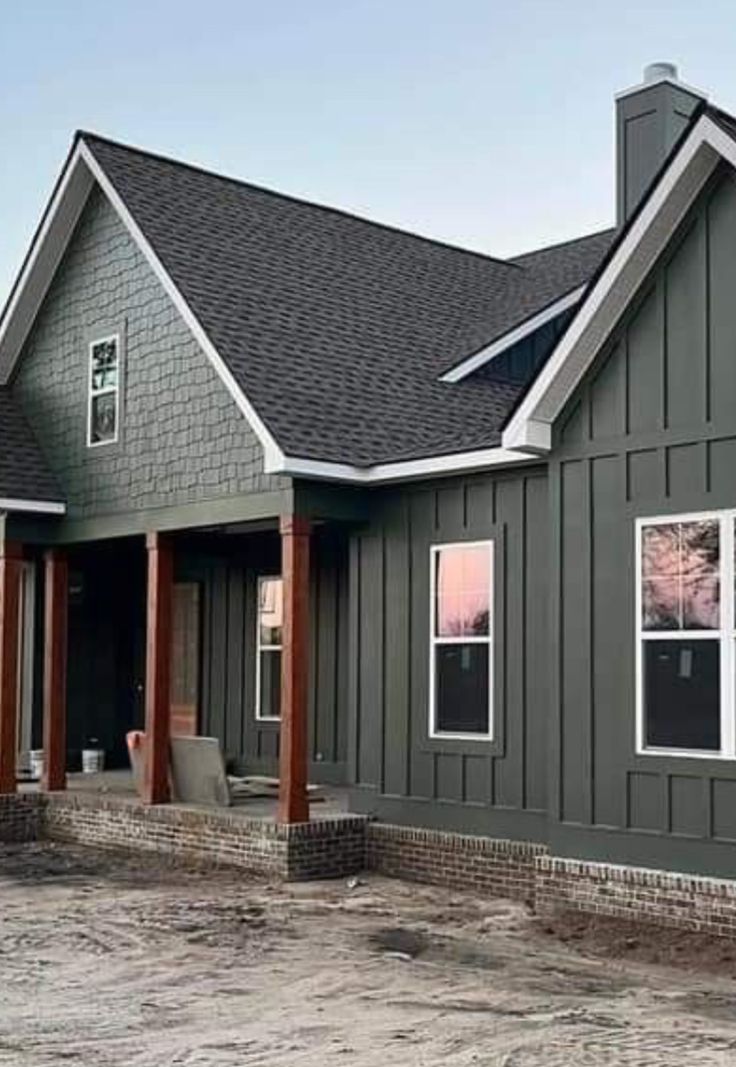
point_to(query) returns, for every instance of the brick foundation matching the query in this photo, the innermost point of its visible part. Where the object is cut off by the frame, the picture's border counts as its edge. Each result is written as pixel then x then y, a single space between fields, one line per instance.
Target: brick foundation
pixel 344 845
pixel 483 864
pixel 321 849
pixel 685 901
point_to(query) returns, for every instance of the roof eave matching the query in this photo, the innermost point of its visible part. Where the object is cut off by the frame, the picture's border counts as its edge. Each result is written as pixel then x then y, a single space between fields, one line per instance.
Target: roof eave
pixel 400 470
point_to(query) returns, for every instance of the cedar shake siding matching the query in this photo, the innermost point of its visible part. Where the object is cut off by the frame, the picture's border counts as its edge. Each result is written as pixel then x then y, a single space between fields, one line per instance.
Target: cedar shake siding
pixel 495 787
pixel 182 438
pixel 651 432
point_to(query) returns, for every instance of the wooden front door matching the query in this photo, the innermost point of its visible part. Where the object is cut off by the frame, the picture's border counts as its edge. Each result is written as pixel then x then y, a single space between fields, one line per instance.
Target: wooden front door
pixel 185 659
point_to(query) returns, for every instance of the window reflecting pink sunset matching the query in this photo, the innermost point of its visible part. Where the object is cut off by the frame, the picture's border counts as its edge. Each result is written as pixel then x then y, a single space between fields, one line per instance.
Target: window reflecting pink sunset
pixel 680 572
pixel 462 584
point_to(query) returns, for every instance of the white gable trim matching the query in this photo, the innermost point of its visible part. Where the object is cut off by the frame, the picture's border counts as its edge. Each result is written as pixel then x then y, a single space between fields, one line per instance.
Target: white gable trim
pixel 405 470
pixel 49 244
pixel 530 429
pixel 512 337
pixel 62 214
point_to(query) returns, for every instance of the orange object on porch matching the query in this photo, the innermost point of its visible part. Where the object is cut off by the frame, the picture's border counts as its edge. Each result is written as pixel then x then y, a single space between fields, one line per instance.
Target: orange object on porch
pixel 135 741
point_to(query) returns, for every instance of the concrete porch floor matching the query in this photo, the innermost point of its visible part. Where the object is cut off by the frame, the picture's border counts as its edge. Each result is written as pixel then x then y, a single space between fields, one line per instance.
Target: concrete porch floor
pixel 331 801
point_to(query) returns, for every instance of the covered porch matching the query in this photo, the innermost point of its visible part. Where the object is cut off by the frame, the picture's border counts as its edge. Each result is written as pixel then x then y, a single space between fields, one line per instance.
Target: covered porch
pixel 154 658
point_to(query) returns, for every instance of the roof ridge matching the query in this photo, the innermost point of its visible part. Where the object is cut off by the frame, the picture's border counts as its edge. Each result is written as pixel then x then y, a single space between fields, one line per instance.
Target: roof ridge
pixel 561 244
pixel 86 135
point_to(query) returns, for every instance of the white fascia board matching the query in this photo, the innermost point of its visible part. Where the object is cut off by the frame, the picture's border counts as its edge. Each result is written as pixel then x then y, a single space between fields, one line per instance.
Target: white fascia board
pixel 524 329
pixel 272 452
pixel 405 470
pixel 40 507
pixel 619 282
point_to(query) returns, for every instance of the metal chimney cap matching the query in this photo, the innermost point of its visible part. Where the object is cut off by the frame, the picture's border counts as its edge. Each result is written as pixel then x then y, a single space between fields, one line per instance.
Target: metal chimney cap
pixel 657 72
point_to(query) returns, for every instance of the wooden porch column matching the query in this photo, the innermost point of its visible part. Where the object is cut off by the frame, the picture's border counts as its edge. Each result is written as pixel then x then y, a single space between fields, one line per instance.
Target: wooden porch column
pixel 158 668
pixel 56 610
pixel 11 560
pixel 293 802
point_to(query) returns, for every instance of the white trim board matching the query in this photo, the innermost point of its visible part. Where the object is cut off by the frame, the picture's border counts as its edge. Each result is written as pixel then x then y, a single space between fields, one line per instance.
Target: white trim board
pixel 404 470
pixel 512 337
pixel 530 429
pixel 40 507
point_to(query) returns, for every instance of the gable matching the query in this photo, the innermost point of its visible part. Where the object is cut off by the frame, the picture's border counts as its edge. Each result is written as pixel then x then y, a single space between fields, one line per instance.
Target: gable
pixel 670 367
pixel 183 439
pixel 707 144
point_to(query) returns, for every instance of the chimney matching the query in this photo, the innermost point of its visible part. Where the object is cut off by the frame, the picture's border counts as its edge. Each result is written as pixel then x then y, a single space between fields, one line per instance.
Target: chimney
pixel 649 119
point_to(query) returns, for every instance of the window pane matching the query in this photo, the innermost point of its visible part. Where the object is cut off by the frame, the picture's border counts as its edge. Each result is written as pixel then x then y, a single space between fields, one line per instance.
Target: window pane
pixel 104 365
pixel 270 690
pixel 270 610
pixel 103 418
pixel 462 591
pixel 682 694
pixel 461 688
pixel 680 576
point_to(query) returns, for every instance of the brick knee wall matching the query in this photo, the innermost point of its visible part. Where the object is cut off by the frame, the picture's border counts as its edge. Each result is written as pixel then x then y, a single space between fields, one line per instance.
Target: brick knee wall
pixel 322 849
pixel 20 818
pixel 663 898
pixel 483 864
pixel 184 833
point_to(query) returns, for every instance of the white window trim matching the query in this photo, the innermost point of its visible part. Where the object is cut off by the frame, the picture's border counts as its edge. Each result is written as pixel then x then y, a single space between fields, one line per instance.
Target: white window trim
pixel 115 389
pixel 263 648
pixel 726 636
pixel 434 551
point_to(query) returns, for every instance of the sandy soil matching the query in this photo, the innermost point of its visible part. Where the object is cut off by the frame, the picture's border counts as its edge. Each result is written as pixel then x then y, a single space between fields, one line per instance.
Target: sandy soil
pixel 107 962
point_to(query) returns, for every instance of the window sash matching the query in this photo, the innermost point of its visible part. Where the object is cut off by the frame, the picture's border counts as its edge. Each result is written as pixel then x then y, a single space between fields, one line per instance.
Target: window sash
pixel 725 635
pixel 436 640
pixel 93 392
pixel 262 650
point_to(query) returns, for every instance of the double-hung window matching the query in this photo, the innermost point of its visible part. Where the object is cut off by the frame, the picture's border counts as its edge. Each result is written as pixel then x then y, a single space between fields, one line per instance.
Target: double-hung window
pixel 461 646
pixel 268 649
pixel 103 413
pixel 686 635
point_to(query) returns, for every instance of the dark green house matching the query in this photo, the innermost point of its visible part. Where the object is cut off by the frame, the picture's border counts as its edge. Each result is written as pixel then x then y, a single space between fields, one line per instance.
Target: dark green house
pixel 508 488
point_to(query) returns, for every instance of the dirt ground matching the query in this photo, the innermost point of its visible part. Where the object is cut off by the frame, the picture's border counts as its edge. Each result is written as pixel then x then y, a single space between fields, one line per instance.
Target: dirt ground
pixel 107 962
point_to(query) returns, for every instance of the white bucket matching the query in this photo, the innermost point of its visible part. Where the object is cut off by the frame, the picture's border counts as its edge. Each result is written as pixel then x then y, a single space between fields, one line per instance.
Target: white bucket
pixel 36 762
pixel 93 760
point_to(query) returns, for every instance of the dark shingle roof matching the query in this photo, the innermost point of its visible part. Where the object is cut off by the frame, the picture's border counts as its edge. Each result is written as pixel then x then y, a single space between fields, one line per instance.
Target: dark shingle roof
pixel 337 329
pixel 24 474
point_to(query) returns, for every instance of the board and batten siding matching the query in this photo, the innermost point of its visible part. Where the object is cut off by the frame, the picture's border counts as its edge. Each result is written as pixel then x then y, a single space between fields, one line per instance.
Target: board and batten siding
pixel 651 431
pixel 228 678
pixel 497 787
pixel 182 437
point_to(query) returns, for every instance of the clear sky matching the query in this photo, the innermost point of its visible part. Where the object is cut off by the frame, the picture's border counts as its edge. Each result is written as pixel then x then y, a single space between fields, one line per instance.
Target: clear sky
pixel 487 123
